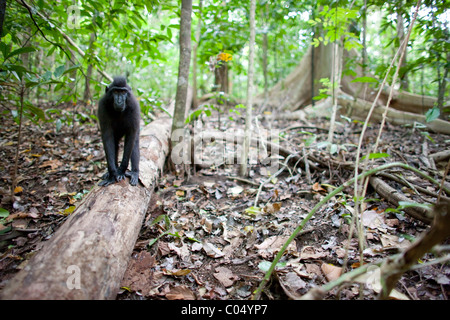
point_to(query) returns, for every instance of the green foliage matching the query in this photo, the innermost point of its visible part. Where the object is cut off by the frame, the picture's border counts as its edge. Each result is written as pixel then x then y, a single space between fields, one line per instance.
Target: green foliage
pixel 139 38
pixel 432 114
pixel 365 80
pixel 236 111
pixel 4 213
pixel 204 109
pixel 327 87
pixel 335 23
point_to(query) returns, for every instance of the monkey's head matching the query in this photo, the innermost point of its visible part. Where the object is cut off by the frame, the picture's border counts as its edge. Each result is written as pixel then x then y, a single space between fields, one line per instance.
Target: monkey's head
pixel 119 90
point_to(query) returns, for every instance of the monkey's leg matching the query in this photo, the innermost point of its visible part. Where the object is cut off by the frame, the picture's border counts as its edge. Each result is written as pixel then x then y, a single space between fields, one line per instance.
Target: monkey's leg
pixel 134 173
pixel 127 151
pixel 110 150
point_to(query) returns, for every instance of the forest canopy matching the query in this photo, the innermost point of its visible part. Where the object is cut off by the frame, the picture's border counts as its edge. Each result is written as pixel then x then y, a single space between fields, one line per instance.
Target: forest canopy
pixel 319 81
pixel 56 49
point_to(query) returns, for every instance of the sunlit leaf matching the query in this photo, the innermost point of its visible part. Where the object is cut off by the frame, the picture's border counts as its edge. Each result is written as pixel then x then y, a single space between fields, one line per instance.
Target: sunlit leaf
pixel 432 114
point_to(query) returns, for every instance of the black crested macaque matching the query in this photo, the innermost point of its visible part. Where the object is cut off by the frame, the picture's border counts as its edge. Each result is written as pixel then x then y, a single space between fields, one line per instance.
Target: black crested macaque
pixel 119 115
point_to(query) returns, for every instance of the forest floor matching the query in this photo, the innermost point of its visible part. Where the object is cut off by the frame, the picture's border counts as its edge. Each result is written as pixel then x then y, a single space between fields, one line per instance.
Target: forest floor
pixel 203 238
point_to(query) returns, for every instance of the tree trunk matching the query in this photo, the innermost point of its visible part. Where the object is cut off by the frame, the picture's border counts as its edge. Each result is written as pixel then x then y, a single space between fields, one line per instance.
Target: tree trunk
pixel 295 90
pixel 221 77
pixel 404 83
pixel 264 65
pixel 183 67
pixel 87 256
pixel 194 58
pixel 87 86
pixel 443 84
pixel 248 116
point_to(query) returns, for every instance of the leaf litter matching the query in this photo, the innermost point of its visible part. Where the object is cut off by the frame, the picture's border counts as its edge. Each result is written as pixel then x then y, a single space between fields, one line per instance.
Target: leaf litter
pixel 212 242
pixel 236 241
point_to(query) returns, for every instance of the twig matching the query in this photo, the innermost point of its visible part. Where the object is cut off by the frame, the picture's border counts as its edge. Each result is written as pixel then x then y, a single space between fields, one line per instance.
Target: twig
pixel 392 269
pixel 300 227
pixel 243 180
pixel 308 172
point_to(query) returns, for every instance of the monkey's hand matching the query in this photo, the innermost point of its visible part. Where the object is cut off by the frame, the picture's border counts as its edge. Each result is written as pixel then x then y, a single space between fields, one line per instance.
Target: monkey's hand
pixel 134 177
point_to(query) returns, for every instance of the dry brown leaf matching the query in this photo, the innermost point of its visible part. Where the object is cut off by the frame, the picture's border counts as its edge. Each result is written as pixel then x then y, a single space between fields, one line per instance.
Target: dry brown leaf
pixel 316 187
pixel 54 164
pixel 234 191
pixel 291 284
pixel 225 276
pixel 372 279
pixel 313 269
pixel 393 241
pixel 18 190
pixel 180 293
pixel 273 244
pixel 272 207
pixel 163 248
pixel 178 273
pixel 331 272
pixel 310 252
pixel 211 250
pixel 139 275
pixel 372 219
pixel 17 215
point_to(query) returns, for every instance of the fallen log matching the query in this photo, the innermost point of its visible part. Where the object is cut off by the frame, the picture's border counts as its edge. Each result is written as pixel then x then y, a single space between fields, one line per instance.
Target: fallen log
pixel 87 256
pixel 358 109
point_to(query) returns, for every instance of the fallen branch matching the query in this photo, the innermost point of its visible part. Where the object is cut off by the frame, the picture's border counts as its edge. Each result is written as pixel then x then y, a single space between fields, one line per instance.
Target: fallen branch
pixel 393 196
pixel 440 156
pixel 392 269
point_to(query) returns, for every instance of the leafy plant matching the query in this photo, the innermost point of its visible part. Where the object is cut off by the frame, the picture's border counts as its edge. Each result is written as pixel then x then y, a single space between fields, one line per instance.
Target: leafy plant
pixel 204 109
pixel 432 114
pixel 324 92
pixel 336 22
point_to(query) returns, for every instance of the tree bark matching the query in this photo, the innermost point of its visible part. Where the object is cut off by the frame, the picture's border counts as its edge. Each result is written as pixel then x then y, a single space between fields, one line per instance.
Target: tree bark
pixel 183 67
pixel 221 77
pixel 87 83
pixel 404 83
pixel 194 58
pixel 87 256
pixel 294 91
pixel 248 116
